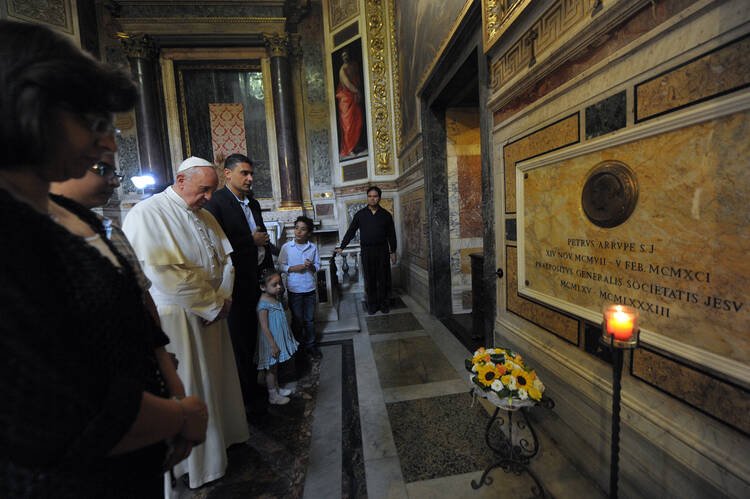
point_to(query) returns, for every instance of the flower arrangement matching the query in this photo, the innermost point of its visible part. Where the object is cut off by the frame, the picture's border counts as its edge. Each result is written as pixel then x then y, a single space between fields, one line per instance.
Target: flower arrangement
pixel 500 375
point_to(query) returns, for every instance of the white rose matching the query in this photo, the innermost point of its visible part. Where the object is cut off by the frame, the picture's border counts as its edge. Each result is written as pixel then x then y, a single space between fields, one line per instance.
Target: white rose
pixel 512 385
pixel 497 385
pixel 523 394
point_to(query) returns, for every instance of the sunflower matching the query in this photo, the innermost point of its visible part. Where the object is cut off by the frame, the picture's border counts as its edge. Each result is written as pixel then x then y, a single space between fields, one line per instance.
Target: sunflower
pixel 486 375
pixel 522 378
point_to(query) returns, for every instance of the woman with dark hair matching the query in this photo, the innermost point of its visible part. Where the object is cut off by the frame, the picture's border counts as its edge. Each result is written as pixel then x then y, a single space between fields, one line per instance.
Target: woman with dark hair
pixel 84 410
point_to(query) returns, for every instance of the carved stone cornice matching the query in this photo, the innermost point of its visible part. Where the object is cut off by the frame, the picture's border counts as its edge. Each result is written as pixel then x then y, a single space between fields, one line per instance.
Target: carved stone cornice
pixel 277 44
pixel 139 46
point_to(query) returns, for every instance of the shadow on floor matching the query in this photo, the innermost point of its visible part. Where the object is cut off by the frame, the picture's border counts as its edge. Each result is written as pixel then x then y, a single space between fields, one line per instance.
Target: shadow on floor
pixel 461 327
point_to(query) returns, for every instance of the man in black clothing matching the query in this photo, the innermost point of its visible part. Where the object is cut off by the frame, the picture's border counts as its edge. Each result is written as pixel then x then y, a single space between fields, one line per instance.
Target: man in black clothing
pixel 377 236
pixel 240 217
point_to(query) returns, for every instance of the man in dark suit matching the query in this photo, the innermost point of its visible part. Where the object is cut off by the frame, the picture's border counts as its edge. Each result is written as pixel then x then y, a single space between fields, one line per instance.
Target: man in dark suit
pixel 240 217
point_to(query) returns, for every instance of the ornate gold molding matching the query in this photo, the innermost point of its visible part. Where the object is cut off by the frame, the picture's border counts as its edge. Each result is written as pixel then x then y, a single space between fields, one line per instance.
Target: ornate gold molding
pixel 395 68
pixel 561 18
pixel 379 93
pixel 139 46
pixel 277 44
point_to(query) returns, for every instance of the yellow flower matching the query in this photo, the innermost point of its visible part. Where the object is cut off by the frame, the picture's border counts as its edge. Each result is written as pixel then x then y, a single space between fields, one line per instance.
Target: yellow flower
pixel 506 379
pixel 535 394
pixel 522 380
pixel 486 374
pixel 509 366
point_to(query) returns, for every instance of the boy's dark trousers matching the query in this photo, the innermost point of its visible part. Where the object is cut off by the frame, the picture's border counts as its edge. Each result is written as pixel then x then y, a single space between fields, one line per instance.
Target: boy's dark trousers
pixel 302 306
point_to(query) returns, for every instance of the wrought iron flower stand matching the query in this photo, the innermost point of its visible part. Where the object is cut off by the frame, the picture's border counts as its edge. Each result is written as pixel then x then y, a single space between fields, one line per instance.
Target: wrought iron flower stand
pixel 514 450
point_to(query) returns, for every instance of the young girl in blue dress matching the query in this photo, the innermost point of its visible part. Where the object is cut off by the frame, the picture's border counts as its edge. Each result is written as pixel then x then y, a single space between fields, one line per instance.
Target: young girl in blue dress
pixel 275 343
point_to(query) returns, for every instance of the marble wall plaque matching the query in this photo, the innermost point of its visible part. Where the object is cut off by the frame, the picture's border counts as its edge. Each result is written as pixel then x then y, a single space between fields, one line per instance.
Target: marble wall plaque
pixel 680 258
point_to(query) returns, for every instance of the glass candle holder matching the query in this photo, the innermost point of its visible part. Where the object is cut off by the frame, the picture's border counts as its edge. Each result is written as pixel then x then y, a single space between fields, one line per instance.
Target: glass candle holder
pixel 620 326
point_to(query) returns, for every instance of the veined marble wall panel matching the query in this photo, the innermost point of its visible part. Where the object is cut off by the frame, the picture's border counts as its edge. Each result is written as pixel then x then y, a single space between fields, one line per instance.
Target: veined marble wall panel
pixel 718 72
pixel 464 166
pixel 681 257
pixel 721 400
pixel 560 134
pixel 554 322
pixel 414 227
pixel 317 118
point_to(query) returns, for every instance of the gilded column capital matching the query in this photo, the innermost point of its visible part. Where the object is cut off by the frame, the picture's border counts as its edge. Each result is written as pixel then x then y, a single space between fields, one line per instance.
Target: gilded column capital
pixel 139 46
pixel 277 44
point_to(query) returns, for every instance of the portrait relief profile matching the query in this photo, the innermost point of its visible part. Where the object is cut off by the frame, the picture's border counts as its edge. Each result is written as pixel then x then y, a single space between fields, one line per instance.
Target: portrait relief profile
pixel 348 82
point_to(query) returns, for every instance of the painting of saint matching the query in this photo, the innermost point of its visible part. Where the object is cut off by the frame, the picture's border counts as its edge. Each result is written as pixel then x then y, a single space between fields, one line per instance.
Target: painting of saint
pixel 348 80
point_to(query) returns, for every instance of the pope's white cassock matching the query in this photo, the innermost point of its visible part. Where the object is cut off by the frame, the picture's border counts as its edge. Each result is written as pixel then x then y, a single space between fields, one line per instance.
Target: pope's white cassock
pixel 185 255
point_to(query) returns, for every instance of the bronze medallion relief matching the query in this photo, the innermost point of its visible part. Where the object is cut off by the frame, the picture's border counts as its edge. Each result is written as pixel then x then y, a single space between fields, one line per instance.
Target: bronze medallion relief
pixel 610 194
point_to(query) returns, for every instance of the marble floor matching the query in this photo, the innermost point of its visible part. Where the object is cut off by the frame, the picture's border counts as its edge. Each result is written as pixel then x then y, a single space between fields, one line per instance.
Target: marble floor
pixel 386 413
pixel 422 435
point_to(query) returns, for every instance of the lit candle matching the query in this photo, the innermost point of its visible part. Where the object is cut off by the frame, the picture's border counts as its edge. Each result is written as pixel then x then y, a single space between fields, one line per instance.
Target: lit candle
pixel 619 323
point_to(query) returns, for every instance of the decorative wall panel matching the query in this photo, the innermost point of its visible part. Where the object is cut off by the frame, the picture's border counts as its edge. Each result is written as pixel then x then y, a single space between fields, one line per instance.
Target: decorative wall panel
pixel 57 14
pixel 316 110
pixel 341 11
pixel 720 71
pixel 414 227
pixel 555 322
pixel 724 401
pixel 470 195
pixel 128 161
pixel 549 138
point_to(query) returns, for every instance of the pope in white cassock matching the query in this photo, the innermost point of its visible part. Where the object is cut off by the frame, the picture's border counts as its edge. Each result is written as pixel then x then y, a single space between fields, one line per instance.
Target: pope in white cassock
pixel 185 254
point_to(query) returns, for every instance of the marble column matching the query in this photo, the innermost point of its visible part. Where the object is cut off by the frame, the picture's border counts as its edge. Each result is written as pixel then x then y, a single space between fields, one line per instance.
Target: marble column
pixel 278 46
pixel 142 52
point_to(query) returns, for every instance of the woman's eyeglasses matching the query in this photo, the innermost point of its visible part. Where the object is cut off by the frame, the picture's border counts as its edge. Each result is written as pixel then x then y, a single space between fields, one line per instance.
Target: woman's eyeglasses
pixel 99 123
pixel 107 171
